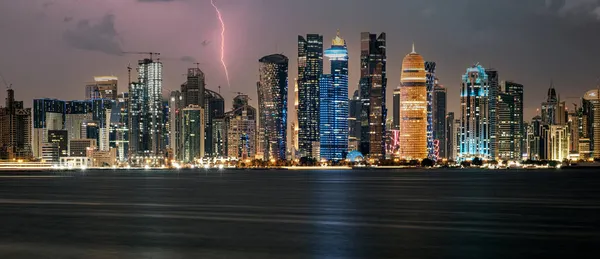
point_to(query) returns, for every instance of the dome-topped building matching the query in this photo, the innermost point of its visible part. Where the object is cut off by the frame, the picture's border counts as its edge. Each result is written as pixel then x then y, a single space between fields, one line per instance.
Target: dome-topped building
pixel 413 107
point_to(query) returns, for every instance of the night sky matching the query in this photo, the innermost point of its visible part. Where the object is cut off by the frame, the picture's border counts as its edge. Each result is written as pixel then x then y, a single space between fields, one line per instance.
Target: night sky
pixel 51 48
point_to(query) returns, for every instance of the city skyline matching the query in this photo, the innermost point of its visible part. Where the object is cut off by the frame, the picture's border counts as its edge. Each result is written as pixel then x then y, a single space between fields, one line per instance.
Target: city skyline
pixel 100 29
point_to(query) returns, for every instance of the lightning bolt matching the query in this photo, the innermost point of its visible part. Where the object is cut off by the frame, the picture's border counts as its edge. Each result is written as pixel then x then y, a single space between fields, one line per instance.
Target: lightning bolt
pixel 222 41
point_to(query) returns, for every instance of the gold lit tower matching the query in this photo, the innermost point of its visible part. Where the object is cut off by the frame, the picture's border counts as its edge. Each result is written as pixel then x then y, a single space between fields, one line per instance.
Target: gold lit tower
pixel 413 107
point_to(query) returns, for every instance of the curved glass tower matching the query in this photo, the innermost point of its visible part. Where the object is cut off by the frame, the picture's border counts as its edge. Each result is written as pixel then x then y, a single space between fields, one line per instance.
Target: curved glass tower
pixel 475 113
pixel 333 130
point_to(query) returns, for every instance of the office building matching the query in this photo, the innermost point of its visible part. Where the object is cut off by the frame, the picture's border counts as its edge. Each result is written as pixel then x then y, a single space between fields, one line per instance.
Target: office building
pixel 373 86
pixel 60 138
pixel 509 122
pixel 192 132
pixel 214 110
pixel 591 108
pixel 119 127
pixel 48 114
pixel 76 113
pixel 272 91
pixel 555 142
pixel 146 113
pixel 176 105
pixel 192 90
pixel 240 125
pixel 516 91
pixel 450 148
pixel 101 113
pixel 553 110
pixel 103 87
pixel 15 129
pixel 439 107
pixel 413 107
pixel 354 123
pixel 334 103
pixel 475 134
pixel 534 139
pixel 396 109
pixel 80 147
pixel 493 90
pixel 431 82
pixel 310 69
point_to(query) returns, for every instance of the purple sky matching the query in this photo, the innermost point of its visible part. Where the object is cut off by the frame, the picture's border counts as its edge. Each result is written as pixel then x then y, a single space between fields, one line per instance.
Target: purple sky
pixel 51 48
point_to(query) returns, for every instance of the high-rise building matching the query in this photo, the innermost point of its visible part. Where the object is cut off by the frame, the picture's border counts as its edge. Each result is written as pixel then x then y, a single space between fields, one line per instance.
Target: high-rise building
pixel 439 108
pixel 516 91
pixel 355 108
pixel 456 127
pixel 240 125
pixel 272 105
pixel 294 125
pixel 431 82
pixel 550 112
pixel 101 113
pixel 591 108
pixel 48 114
pixel 119 127
pixel 80 147
pixel 310 69
pixel 450 147
pixel 193 89
pixel 146 113
pixel 103 87
pixel 192 132
pixel 534 139
pixel 15 129
pixel 493 90
pixel 334 103
pixel 373 85
pixel 555 142
pixel 76 113
pixel 509 122
pixel 413 107
pixel 475 134
pixel 396 109
pixel 214 110
pixel 176 105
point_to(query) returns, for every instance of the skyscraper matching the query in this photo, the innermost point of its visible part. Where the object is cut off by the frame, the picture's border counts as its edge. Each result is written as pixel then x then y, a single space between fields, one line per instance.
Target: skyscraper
pixel 431 81
pixel 373 86
pixel 192 133
pixel 119 127
pixel 310 69
pixel 103 87
pixel 413 107
pixel 591 107
pixel 550 110
pixel 493 90
pixel 192 90
pixel 48 114
pixel 450 148
pixel 101 113
pixel 439 121
pixel 475 128
pixel 176 105
pixel 272 102
pixel 77 112
pixel 396 109
pixel 214 110
pixel 146 112
pixel 534 136
pixel 355 108
pixel 240 124
pixel 334 103
pixel 510 123
pixel 15 128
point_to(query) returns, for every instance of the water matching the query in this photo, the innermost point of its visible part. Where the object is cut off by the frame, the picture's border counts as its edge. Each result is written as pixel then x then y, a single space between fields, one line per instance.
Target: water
pixel 300 214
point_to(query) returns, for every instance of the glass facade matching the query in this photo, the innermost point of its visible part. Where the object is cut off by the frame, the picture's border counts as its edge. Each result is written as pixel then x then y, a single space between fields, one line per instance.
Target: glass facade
pixel 475 125
pixel 272 105
pixel 214 109
pixel 439 106
pixel 334 104
pixel 310 69
pixel 430 70
pixel 493 92
pixel 373 86
pixel 192 133
pixel 413 108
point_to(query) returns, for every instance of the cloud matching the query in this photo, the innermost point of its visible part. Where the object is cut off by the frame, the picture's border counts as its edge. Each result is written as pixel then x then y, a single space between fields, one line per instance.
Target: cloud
pixel 68 19
pixel 189 59
pixel 153 1
pixel 101 37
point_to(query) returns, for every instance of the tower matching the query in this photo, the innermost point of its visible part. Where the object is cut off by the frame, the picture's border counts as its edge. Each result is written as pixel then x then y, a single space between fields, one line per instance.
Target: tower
pixel 310 69
pixel 475 126
pixel 413 107
pixel 272 102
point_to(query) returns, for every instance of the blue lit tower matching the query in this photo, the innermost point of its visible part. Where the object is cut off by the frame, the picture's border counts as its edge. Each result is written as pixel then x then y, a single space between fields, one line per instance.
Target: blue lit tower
pixel 475 127
pixel 333 127
pixel 272 103
pixel 430 69
pixel 310 69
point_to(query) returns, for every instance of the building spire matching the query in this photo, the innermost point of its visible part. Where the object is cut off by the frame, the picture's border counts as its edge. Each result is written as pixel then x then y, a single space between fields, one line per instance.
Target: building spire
pixel 413 48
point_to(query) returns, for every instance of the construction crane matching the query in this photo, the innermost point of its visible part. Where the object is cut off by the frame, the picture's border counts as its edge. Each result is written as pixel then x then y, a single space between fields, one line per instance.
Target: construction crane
pixel 152 54
pixel 8 86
